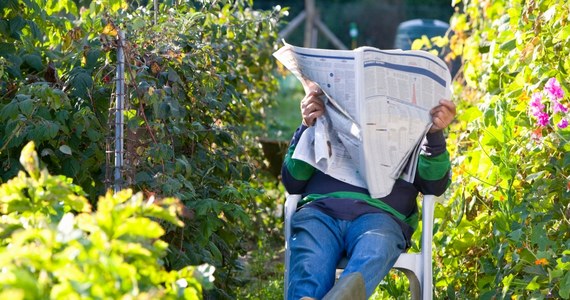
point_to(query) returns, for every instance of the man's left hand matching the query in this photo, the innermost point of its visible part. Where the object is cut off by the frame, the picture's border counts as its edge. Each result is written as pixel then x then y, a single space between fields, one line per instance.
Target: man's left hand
pixel 442 115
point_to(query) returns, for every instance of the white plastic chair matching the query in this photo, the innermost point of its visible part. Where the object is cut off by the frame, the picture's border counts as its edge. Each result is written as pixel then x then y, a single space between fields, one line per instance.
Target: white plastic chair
pixel 416 266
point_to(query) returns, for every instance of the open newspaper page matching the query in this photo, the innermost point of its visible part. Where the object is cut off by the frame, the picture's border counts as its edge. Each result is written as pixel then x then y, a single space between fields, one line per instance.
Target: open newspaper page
pixel 377 111
pixel 400 88
pixel 333 144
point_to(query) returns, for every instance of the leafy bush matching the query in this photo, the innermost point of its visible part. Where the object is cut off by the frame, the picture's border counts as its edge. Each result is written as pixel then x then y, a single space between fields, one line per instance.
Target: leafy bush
pixel 54 247
pixel 198 80
pixel 506 232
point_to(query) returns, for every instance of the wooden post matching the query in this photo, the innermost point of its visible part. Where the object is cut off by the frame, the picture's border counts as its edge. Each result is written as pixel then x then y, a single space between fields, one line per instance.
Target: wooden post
pixel 309 23
pixel 313 25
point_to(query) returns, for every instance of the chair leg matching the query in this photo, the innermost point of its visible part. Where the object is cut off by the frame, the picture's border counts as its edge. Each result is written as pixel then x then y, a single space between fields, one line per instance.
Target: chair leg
pixel 415 285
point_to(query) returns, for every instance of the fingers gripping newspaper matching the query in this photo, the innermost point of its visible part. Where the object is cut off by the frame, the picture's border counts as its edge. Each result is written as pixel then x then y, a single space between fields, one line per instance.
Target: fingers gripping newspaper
pixel 377 105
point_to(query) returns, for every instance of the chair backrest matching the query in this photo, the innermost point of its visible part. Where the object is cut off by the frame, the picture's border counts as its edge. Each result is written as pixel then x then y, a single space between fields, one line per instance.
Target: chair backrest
pixel 416 266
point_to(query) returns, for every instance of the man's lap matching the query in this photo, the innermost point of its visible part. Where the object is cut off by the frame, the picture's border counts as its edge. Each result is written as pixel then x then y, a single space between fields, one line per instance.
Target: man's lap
pixel 318 241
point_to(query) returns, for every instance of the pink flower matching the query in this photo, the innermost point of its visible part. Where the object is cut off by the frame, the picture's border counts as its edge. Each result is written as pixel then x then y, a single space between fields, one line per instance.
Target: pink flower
pixel 542 119
pixel 558 107
pixel 537 109
pixel 553 89
pixel 536 105
pixel 562 124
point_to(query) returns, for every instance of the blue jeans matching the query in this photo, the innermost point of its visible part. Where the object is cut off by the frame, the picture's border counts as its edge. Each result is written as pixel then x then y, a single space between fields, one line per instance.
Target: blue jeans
pixel 372 243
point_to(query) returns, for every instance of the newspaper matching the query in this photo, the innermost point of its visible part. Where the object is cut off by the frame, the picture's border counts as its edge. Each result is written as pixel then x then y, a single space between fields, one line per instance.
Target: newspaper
pixel 377 105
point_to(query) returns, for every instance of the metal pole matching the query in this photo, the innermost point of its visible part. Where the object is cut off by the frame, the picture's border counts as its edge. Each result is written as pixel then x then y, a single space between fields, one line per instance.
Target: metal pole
pixel 155 11
pixel 119 115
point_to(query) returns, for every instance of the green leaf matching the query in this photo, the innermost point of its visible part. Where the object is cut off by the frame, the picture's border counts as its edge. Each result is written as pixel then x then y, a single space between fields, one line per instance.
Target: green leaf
pixel 6 48
pixel 16 25
pixel 65 149
pixel 535 270
pixel 14 66
pixel 470 114
pixel 132 249
pixel 26 106
pixel 81 83
pixel 71 166
pixel 9 111
pixel 142 177
pixel 533 285
pixel 143 227
pixel 508 45
pixel 20 278
pixel 29 160
pixel 168 214
pixel 93 134
pixel 565 286
pixel 34 61
pixel 215 251
pixel 11 4
pixel 515 235
pixel 91 58
pixel 35 29
pixel 52 129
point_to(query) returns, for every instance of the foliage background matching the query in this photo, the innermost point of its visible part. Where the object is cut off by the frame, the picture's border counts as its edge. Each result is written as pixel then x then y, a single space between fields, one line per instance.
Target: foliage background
pixel 200 102
pixel 55 247
pixel 376 21
pixel 196 95
pixel 505 232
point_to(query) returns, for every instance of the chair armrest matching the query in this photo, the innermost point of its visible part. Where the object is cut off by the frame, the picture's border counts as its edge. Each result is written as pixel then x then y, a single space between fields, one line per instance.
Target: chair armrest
pixel 428 205
pixel 289 209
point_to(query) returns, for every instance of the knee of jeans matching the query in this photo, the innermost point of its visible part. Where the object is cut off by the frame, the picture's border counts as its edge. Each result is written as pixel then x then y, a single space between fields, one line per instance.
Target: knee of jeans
pixel 380 248
pixel 385 238
pixel 310 278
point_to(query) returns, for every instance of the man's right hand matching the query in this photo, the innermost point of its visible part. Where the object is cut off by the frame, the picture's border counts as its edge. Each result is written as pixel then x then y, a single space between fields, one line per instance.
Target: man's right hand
pixel 312 106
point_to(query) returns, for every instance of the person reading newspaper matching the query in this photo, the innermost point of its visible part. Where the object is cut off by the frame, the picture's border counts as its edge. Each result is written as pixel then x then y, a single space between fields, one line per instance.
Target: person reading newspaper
pixel 336 219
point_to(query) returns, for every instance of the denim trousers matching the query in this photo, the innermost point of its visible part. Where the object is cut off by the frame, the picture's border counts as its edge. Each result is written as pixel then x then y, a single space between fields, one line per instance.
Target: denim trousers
pixel 372 243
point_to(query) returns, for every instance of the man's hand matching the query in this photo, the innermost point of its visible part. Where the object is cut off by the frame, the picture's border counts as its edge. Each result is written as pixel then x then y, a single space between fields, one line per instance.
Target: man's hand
pixel 312 106
pixel 442 115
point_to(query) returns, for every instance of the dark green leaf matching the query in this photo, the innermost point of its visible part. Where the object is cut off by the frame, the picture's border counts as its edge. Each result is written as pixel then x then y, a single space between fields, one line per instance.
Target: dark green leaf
pixel 9 111
pixel 26 106
pixel 142 177
pixel 9 4
pixel 92 57
pixel 34 61
pixel 35 29
pixel 81 83
pixel 6 48
pixel 16 25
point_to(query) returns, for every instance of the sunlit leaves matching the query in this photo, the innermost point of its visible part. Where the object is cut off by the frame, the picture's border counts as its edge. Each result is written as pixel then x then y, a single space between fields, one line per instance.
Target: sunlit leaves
pixel 511 176
pixel 112 253
pixel 196 91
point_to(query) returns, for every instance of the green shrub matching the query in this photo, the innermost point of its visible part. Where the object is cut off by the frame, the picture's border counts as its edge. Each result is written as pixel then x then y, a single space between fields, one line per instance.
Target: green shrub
pixel 506 232
pixel 199 77
pixel 54 247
